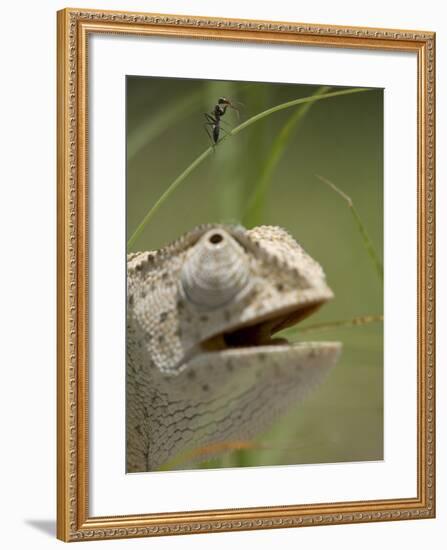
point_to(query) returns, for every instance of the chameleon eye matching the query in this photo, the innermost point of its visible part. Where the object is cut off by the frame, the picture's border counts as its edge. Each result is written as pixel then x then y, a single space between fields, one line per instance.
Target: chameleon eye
pixel 215 238
pixel 216 269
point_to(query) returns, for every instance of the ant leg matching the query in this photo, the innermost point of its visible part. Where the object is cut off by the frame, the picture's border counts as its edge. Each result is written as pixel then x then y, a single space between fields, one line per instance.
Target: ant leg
pixel 237 108
pixel 228 133
pixel 237 112
pixel 210 119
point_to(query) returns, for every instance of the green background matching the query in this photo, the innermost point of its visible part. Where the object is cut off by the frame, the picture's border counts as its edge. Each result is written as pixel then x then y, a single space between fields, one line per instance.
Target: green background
pixel 340 138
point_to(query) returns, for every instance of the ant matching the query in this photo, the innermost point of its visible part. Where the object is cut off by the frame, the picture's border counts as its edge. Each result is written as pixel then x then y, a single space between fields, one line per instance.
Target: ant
pixel 214 121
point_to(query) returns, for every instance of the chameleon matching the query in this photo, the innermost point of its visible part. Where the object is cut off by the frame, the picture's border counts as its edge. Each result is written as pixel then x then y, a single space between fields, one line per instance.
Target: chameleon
pixel 203 363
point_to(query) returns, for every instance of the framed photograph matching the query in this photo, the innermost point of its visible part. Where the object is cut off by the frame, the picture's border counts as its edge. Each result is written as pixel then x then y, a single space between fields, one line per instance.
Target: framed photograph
pixel 245 274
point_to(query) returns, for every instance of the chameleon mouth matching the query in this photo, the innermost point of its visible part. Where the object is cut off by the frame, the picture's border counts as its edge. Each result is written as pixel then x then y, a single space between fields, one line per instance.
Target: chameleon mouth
pixel 260 332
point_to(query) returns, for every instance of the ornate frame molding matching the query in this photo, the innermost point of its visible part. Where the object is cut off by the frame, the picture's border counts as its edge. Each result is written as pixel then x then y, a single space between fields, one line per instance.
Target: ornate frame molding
pixel 74 522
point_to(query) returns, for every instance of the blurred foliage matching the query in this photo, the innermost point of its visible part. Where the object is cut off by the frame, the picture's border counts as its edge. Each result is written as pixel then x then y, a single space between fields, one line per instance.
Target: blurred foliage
pixel 340 139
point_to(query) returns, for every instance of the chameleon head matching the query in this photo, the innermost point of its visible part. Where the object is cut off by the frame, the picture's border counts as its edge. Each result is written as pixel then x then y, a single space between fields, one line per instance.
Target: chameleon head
pixel 203 319
pixel 222 288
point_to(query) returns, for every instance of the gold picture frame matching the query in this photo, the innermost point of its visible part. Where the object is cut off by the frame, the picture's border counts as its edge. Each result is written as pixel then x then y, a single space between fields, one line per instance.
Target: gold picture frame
pixel 74 521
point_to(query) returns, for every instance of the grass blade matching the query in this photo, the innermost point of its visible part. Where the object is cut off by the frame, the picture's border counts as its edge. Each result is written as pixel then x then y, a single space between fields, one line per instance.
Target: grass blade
pixel 360 225
pixel 356 321
pixel 256 202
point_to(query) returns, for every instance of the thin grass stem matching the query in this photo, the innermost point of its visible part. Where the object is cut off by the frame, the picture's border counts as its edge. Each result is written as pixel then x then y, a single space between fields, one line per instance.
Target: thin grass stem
pixel 356 321
pixel 361 227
